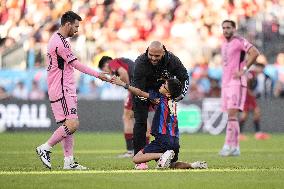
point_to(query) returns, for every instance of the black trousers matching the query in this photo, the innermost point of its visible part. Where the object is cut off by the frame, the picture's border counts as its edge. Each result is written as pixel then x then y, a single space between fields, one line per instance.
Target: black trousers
pixel 140 109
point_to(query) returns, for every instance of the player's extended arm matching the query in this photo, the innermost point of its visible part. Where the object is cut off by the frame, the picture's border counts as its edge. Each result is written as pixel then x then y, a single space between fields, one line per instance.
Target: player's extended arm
pixel 85 69
pixel 136 91
pixel 133 90
pixel 123 74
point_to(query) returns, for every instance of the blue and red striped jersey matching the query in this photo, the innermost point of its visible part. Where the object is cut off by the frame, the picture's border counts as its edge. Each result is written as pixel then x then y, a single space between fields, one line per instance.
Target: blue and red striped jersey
pixel 165 119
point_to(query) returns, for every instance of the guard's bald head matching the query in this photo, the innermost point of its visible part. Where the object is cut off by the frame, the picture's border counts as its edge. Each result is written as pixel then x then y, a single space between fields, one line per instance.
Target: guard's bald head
pixel 156 45
pixel 155 52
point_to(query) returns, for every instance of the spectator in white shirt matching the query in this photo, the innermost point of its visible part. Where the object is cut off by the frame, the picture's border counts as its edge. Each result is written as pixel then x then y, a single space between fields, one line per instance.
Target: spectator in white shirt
pixel 20 91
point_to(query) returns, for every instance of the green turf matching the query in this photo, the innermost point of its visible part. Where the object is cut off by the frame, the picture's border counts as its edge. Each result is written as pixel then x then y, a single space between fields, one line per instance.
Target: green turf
pixel 261 164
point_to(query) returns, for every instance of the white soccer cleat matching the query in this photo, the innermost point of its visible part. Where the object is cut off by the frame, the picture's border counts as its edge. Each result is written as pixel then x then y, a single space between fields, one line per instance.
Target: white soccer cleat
pixel 165 159
pixel 229 151
pixel 74 166
pixel 199 165
pixel 225 151
pixel 236 152
pixel 44 156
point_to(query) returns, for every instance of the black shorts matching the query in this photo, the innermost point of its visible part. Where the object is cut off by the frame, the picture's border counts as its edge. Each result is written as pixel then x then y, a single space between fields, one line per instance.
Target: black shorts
pixel 161 144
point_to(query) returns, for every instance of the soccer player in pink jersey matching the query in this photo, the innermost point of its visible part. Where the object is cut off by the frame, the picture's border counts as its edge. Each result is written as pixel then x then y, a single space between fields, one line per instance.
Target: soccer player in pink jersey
pixel 238 55
pixel 62 90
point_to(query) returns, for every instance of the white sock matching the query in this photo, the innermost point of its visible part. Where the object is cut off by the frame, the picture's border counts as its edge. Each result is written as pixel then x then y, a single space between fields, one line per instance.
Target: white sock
pixel 46 146
pixel 69 159
pixel 226 146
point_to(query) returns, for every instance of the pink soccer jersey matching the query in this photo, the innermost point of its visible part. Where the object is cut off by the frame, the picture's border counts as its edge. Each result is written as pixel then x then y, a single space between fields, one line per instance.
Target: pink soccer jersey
pixel 60 78
pixel 60 73
pixel 233 55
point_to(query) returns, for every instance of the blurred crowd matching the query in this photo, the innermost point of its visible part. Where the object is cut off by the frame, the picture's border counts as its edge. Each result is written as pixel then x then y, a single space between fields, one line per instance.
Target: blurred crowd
pixel 123 28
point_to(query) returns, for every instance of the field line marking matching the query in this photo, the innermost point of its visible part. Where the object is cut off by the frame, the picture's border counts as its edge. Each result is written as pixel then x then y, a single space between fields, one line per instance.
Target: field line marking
pixel 131 171
pixel 120 151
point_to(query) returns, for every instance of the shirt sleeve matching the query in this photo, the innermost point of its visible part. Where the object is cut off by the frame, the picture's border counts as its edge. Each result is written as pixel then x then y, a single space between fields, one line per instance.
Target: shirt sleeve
pixel 245 45
pixel 83 68
pixel 65 52
pixel 181 74
pixel 153 95
pixel 185 85
pixel 139 79
pixel 114 65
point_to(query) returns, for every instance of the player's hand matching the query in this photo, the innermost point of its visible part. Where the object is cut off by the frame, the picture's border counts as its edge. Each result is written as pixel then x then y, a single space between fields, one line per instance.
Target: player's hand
pixel 238 74
pixel 104 76
pixel 117 81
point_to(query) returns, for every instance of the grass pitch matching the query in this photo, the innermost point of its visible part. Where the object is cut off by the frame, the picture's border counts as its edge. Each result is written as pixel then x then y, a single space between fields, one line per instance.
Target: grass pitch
pixel 261 164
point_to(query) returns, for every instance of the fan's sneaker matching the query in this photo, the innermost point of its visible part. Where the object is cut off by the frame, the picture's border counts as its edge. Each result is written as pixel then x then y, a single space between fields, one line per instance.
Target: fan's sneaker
pixel 128 154
pixel 44 156
pixel 74 166
pixel 199 165
pixel 141 166
pixel 165 160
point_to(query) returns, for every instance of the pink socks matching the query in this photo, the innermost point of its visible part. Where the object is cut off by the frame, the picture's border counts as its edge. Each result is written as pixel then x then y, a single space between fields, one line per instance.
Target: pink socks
pixel 58 135
pixel 232 133
pixel 63 135
pixel 67 144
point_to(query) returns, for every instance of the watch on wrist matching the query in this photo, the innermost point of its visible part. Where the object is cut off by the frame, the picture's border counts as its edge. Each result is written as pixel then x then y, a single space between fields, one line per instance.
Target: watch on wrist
pixel 126 86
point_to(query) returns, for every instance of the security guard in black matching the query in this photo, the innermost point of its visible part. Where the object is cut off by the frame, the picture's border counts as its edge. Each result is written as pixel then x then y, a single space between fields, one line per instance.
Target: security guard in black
pixel 151 70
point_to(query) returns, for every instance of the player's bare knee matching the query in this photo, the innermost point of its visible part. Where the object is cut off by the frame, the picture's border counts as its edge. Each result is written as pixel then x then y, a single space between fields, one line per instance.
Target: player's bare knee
pixel 72 125
pixel 256 117
pixel 137 157
pixel 233 113
pixel 72 129
pixel 257 112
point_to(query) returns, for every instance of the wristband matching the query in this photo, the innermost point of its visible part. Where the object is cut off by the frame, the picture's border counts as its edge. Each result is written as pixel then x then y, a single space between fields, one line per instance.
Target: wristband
pixel 245 68
pixel 126 86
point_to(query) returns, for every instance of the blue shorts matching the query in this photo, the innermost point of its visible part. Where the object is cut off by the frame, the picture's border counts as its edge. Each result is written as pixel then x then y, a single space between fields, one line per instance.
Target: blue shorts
pixel 161 144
